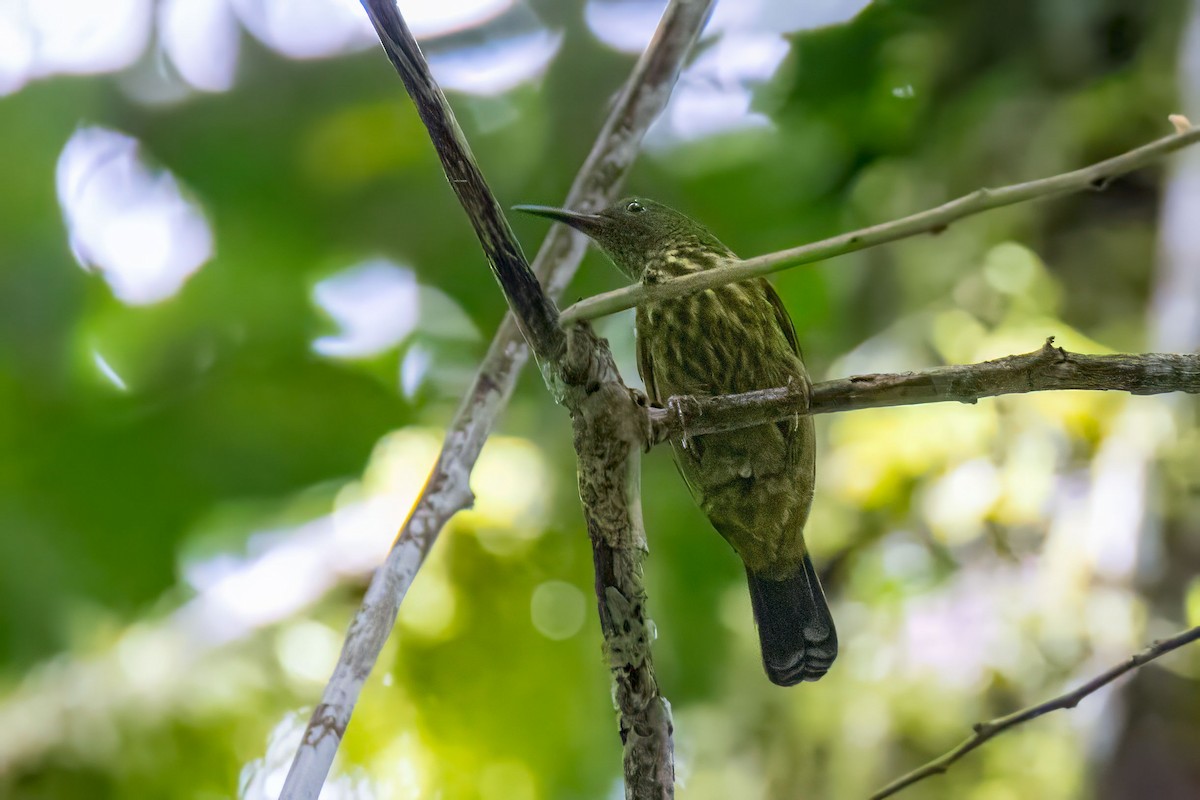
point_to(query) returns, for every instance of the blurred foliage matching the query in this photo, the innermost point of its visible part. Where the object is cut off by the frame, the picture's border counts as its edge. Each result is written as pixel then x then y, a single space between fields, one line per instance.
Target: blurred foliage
pixel 192 492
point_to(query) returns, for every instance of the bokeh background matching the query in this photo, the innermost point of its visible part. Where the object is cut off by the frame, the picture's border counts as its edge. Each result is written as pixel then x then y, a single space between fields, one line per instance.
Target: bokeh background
pixel 238 304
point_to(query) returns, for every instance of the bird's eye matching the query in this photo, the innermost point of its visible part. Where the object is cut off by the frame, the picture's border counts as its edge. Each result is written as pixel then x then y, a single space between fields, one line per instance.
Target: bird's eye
pixel 634 207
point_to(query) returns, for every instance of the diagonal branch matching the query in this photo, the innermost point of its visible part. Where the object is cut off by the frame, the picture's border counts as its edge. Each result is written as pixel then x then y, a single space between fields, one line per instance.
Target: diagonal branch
pixel 933 221
pixel 610 433
pixel 1042 370
pixel 987 730
pixel 537 315
pixel 446 492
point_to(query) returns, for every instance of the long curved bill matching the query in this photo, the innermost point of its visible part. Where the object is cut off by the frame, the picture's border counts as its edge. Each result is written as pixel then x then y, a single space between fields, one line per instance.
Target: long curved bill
pixel 585 223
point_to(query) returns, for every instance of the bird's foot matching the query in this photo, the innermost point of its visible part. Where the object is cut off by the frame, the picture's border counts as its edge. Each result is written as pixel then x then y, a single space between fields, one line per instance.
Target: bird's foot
pixel 685 408
pixel 801 390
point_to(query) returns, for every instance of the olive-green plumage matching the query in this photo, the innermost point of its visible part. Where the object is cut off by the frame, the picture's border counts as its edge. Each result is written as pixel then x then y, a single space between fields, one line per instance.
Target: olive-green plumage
pixel 755 484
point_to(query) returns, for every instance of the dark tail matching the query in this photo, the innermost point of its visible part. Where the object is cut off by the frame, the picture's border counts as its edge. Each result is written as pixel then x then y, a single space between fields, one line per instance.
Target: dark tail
pixel 794 626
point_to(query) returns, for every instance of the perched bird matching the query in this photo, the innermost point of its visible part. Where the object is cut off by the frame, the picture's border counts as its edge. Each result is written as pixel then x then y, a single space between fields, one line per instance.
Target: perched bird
pixel 755 484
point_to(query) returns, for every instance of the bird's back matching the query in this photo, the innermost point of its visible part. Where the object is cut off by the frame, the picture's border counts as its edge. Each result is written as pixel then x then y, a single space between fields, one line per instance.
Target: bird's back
pixel 755 484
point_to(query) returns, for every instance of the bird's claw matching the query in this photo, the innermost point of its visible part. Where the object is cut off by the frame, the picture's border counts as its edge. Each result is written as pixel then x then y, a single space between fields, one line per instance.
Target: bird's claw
pixel 801 389
pixel 684 407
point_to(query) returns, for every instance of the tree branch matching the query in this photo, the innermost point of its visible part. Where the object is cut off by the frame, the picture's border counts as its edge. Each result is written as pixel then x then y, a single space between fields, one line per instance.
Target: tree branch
pixel 610 433
pixel 987 730
pixel 1045 369
pixel 446 492
pixel 536 314
pixel 933 221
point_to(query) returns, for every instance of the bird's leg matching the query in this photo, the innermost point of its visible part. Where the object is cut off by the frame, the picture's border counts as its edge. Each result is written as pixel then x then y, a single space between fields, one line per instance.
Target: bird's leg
pixel 800 388
pixel 685 407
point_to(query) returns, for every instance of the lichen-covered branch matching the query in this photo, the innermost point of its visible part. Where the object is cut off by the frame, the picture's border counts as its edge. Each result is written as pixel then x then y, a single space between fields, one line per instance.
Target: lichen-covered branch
pixel 447 491
pixel 1047 368
pixel 987 730
pixel 610 434
pixel 932 221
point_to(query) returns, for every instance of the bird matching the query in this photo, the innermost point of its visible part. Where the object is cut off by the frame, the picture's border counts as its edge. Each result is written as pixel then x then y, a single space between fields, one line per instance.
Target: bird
pixel 755 484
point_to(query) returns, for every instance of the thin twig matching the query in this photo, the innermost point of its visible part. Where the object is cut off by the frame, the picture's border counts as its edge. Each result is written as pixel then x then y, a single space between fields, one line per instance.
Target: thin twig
pixel 447 491
pixel 933 221
pixel 1045 369
pixel 987 730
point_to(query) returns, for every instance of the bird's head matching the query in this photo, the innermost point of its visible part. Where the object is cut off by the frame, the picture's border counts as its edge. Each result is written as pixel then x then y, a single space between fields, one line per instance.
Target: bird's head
pixel 638 234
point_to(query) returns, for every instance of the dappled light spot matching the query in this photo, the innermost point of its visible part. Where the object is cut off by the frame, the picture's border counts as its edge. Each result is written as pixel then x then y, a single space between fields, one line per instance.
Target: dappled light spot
pixel 374 303
pixel 513 491
pixel 307 28
pixel 1113 618
pixel 262 778
pixel 239 594
pixel 498 64
pixel 557 609
pixel 200 37
pixel 413 368
pixel 970 627
pixel 403 768
pixel 1176 319
pixel 150 660
pixel 1117 502
pixel 1192 602
pixel 107 371
pixel 874 456
pixel 441 17
pixel 714 94
pixel 958 502
pixel 16 49
pixel 512 484
pixel 430 607
pixel 287 568
pixel 377 305
pixel 784 17
pixel 627 25
pixel 624 25
pixel 507 780
pixel 358 144
pixel 76 37
pixel 1011 268
pixel 307 650
pixel 128 221
pixel 322 28
pixel 398 468
pixel 907 561
pixel 1028 476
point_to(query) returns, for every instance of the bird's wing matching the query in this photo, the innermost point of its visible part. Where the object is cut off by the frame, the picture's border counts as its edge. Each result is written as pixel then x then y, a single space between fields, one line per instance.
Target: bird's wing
pixel 645 368
pixel 782 318
pixel 797 432
pixel 691 452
